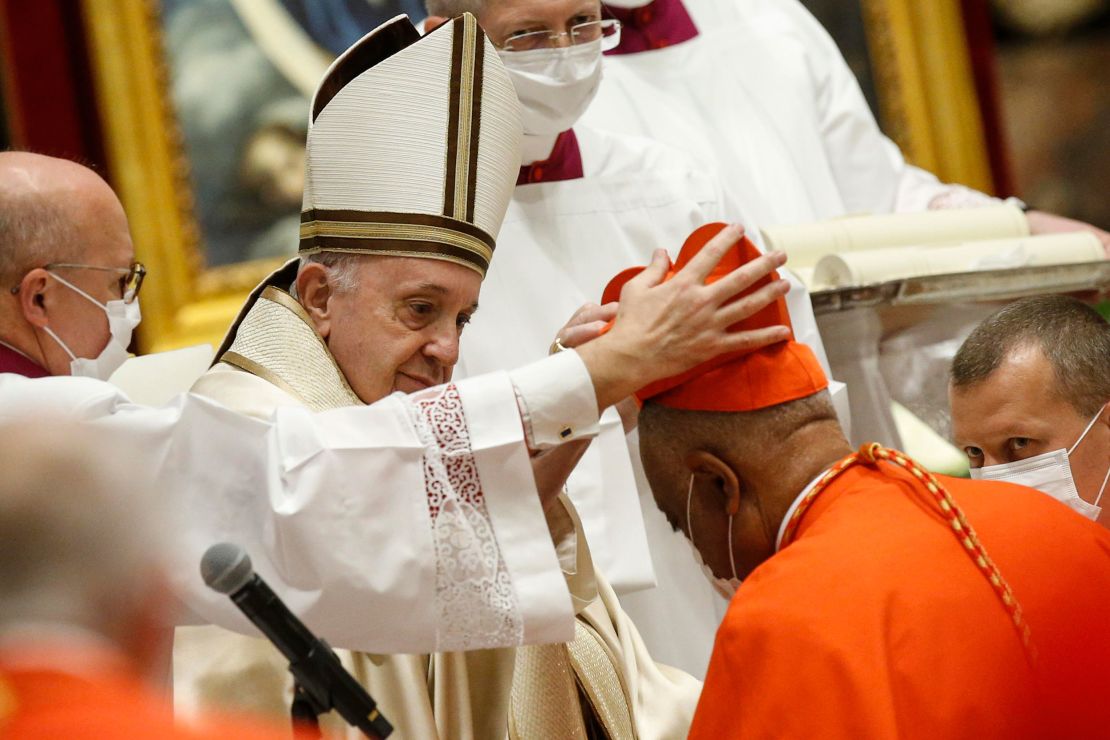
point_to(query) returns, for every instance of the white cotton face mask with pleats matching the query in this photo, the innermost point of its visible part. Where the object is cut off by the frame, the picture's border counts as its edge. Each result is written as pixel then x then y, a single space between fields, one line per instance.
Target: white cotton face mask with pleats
pixel 1050 473
pixel 122 319
pixel 554 86
pixel 726 587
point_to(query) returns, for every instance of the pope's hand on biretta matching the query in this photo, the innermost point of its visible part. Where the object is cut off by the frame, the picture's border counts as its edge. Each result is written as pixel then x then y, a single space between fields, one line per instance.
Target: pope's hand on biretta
pixel 665 327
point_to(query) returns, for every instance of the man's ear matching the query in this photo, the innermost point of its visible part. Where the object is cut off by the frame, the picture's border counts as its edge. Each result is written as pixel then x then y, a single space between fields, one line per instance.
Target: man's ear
pixel 727 484
pixel 433 22
pixel 33 295
pixel 315 294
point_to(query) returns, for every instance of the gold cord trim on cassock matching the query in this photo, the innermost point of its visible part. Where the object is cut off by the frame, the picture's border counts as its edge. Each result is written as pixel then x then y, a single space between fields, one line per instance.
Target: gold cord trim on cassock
pixel 277 342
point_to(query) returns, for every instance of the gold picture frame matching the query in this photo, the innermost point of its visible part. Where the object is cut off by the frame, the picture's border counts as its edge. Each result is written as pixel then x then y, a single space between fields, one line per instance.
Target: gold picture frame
pixel 919 56
pixel 926 87
pixel 186 302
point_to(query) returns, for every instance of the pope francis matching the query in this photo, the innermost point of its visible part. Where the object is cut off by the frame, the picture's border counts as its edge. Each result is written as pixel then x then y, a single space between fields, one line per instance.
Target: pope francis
pixel 393 252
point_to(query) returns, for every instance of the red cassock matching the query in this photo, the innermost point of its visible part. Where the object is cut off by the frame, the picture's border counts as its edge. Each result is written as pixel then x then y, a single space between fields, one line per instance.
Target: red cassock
pixel 110 705
pixel 875 623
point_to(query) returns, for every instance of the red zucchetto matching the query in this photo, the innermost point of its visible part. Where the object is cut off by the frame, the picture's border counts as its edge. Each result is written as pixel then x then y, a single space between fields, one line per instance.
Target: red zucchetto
pixel 739 381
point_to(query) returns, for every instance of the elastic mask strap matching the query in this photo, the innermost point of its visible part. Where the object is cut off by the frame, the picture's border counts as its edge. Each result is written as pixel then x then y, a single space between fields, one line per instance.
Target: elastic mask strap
pixel 1103 489
pixel 77 290
pixel 61 344
pixel 1087 430
pixel 731 558
pixel 690 528
pixel 689 521
pixel 1083 436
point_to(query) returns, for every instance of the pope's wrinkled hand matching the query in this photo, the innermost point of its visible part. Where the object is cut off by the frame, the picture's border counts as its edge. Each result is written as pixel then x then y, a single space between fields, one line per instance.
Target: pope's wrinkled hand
pixel 665 327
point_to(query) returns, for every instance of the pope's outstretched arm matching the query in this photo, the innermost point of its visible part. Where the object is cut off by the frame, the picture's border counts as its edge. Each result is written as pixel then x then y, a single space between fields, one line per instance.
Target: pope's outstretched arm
pixel 412 524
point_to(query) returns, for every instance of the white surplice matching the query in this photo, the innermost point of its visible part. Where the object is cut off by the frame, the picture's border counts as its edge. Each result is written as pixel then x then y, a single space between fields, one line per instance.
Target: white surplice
pixel 333 507
pixel 763 94
pixel 275 360
pixel 560 244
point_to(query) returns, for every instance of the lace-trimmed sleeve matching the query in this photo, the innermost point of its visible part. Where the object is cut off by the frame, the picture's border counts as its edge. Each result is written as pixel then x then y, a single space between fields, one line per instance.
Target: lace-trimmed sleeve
pixel 474 590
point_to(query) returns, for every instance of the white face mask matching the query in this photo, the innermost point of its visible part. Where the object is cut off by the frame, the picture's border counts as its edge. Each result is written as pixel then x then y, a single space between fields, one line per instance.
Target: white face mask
pixel 122 320
pixel 555 86
pixel 627 3
pixel 726 587
pixel 1050 473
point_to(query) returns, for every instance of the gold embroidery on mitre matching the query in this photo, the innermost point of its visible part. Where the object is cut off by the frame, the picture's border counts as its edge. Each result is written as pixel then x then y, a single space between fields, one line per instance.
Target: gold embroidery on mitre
pixel 277 342
pixel 400 253
pixel 466 121
pixel 397 232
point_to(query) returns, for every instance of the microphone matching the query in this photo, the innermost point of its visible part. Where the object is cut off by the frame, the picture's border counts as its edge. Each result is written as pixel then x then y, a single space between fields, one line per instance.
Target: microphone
pixel 324 681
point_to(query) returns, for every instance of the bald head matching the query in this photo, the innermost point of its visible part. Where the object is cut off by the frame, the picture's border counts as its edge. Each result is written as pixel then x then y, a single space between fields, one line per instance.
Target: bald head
pixel 48 208
pixel 60 213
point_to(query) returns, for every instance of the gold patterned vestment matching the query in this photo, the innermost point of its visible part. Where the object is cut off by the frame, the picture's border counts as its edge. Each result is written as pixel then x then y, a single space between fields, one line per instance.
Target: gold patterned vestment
pixel 604 684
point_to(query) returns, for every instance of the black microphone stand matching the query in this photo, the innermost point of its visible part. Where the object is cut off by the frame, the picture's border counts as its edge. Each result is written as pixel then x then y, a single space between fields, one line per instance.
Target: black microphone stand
pixel 306 715
pixel 321 684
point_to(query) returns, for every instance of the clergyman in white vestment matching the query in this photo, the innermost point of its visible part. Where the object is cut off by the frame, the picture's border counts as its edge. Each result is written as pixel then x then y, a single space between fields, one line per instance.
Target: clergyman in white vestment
pixel 288 487
pixel 759 90
pixel 290 349
pixel 293 489
pixel 275 357
pixel 589 203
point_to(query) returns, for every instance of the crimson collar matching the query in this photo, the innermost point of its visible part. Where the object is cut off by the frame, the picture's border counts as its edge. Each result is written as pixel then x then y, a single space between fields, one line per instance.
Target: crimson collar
pixel 657 25
pixel 14 362
pixel 565 163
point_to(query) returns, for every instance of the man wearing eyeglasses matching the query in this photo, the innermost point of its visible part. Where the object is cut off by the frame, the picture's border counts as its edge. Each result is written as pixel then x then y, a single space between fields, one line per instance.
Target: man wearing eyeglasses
pixel 389 317
pixel 587 204
pixel 65 250
pixel 68 265
pixel 760 91
pixel 321 492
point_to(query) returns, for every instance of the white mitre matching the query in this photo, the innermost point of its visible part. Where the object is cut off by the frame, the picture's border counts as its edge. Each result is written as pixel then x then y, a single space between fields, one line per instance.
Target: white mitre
pixel 413 147
pixel 413 151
